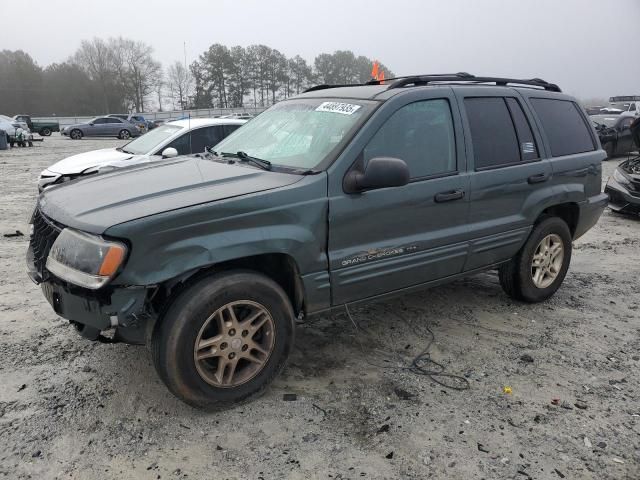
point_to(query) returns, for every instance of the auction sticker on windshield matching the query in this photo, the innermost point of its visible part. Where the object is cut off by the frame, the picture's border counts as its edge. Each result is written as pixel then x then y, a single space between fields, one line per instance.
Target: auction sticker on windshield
pixel 337 107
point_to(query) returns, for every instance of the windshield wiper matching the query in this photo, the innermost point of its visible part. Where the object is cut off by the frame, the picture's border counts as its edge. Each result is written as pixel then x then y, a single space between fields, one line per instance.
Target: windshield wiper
pixel 120 149
pixel 243 157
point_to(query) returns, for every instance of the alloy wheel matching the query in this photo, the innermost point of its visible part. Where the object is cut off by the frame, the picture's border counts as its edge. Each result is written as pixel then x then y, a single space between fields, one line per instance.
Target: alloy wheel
pixel 547 261
pixel 234 344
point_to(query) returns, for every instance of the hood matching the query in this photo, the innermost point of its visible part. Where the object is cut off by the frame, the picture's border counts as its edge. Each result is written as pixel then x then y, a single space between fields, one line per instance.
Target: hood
pixel 78 163
pixel 94 204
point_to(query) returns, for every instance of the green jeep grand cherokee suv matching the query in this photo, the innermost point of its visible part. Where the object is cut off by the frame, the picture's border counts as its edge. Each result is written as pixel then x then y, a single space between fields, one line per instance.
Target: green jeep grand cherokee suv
pixel 339 195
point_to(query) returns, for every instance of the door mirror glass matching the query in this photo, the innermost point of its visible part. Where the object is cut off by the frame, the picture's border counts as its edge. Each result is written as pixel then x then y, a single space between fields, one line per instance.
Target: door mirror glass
pixel 380 172
pixel 169 152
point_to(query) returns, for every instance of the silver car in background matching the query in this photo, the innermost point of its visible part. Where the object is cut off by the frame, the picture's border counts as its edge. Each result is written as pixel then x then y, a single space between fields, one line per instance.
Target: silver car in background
pixel 102 127
pixel 181 137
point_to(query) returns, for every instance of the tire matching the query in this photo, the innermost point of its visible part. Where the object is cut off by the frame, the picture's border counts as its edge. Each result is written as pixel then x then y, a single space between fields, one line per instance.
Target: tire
pixel 124 134
pixel 609 148
pixel 516 276
pixel 45 132
pixel 75 134
pixel 191 314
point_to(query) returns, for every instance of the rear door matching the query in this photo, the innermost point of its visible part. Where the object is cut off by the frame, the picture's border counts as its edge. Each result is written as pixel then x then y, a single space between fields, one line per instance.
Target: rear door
pixel 392 238
pixel 508 173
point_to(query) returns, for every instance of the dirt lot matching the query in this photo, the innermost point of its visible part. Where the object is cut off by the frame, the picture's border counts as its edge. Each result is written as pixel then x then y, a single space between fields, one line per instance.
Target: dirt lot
pixel 70 408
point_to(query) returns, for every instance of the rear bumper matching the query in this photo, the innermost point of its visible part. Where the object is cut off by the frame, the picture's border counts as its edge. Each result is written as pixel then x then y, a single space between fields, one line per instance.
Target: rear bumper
pixel 590 212
pixel 621 199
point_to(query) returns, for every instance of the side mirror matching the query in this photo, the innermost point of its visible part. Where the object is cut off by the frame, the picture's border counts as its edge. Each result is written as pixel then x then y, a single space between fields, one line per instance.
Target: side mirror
pixel 380 172
pixel 91 124
pixel 169 152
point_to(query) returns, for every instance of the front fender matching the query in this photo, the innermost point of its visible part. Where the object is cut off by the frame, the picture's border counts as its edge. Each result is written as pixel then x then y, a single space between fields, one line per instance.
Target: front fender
pixel 290 220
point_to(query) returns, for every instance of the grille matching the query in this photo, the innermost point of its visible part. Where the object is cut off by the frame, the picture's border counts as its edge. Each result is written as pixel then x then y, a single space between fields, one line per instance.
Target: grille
pixel 45 233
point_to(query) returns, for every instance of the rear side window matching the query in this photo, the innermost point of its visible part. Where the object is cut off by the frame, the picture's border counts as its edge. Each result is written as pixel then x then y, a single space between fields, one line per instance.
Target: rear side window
pixel 528 149
pixel 564 126
pixel 422 135
pixel 493 134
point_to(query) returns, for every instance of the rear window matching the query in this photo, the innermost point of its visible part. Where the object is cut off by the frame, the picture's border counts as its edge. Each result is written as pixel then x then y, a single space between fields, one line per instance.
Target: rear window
pixel 566 130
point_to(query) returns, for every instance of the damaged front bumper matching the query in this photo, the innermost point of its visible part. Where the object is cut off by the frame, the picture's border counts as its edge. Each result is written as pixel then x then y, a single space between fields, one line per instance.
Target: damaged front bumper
pixel 126 309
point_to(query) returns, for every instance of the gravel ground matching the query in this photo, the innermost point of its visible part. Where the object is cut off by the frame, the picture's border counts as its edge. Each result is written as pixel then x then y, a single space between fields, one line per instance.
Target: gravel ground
pixel 74 409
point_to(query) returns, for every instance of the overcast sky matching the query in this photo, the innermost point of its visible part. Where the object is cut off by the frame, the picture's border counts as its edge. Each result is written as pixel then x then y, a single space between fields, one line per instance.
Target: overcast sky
pixel 591 48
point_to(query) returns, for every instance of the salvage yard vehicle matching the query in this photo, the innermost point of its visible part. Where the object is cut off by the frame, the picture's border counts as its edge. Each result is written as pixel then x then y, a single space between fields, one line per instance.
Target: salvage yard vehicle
pixel 614 133
pixel 102 127
pixel 623 187
pixel 41 127
pixel 17 132
pixel 182 137
pixel 336 196
pixel 137 120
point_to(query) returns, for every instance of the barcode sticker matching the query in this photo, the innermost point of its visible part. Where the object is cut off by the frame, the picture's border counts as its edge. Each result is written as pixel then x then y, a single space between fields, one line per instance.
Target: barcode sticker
pixel 337 107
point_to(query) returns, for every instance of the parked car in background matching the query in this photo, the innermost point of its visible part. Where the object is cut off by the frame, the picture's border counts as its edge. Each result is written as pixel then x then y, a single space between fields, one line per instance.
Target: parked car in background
pixel 628 105
pixel 42 127
pixel 15 130
pixel 614 133
pixel 102 127
pixel 136 119
pixel 623 187
pixel 166 141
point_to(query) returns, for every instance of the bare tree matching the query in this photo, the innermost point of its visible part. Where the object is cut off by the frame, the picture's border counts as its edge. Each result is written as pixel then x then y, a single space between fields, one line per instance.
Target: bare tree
pixel 180 82
pixel 96 58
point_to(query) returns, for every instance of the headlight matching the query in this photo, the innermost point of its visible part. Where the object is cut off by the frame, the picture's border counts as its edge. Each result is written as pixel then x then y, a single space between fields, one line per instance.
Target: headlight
pixel 85 260
pixel 620 178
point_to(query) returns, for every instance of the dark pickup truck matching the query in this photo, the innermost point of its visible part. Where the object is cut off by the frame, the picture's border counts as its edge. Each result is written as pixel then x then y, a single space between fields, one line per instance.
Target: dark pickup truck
pixel 42 127
pixel 339 195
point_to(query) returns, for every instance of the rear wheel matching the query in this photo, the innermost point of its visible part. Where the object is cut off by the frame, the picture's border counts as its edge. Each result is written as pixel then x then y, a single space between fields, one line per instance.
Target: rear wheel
pixel 75 134
pixel 224 339
pixel 538 270
pixel 45 132
pixel 124 134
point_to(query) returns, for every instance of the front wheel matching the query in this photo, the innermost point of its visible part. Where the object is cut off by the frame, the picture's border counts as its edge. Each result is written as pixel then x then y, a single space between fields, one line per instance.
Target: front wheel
pixel 75 134
pixel 223 340
pixel 124 134
pixel 538 270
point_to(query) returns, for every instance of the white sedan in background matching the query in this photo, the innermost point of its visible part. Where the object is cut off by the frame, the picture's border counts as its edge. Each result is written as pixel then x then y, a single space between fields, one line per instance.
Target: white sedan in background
pixel 181 137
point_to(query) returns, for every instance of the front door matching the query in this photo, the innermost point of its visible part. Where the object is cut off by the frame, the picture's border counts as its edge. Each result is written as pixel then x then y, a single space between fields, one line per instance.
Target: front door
pixel 391 238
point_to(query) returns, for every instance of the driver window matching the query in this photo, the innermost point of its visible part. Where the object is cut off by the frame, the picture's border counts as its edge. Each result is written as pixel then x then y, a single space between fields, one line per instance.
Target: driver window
pixel 422 135
pixel 181 144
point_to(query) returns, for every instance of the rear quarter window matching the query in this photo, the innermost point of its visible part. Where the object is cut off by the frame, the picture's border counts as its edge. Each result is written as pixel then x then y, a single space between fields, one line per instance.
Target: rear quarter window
pixel 564 126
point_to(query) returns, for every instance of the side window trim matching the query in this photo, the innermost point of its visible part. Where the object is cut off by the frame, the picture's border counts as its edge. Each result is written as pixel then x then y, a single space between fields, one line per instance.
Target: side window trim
pixel 518 133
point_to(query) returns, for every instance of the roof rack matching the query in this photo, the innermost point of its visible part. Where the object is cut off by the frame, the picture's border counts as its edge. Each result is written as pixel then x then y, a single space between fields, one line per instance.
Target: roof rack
pixel 467 77
pixel 419 80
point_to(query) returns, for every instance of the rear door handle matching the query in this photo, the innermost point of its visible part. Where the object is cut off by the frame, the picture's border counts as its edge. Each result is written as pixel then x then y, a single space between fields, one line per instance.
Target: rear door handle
pixel 449 196
pixel 541 177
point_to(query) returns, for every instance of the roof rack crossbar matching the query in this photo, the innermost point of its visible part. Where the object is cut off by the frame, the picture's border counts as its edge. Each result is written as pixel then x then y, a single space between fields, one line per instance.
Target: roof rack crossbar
pixel 399 82
pixel 465 77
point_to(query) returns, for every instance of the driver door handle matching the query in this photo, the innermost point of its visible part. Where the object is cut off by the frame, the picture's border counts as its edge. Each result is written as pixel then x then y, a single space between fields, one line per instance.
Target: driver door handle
pixel 449 196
